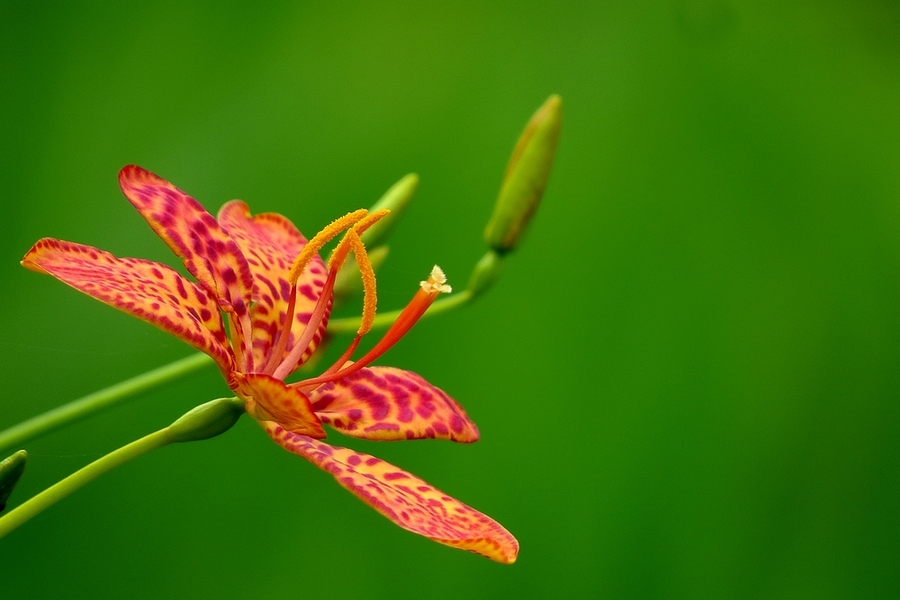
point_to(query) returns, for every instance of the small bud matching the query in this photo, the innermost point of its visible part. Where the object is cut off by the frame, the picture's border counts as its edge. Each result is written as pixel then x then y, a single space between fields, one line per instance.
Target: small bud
pixel 11 470
pixel 485 273
pixel 525 178
pixel 207 420
pixel 348 282
pixel 395 200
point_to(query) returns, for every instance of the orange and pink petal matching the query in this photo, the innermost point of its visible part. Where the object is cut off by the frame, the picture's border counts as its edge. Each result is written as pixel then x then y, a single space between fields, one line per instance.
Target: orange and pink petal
pixel 269 400
pixel 405 499
pixel 150 291
pixel 193 234
pixel 270 243
pixel 384 403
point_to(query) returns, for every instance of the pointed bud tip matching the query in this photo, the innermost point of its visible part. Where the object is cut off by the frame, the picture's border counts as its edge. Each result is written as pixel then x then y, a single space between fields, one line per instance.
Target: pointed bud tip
pixel 526 177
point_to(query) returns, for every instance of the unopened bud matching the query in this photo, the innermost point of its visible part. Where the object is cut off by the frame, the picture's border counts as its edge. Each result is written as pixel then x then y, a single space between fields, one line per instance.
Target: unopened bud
pixel 485 273
pixel 11 470
pixel 526 177
pixel 395 200
pixel 207 420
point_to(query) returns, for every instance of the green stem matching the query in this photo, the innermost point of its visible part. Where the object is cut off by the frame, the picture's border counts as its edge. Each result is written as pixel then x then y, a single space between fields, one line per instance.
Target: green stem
pixel 351 324
pixel 88 405
pixel 17 435
pixel 76 480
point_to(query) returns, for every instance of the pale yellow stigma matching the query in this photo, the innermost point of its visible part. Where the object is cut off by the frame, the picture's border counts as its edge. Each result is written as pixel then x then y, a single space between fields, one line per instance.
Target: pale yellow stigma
pixel 436 282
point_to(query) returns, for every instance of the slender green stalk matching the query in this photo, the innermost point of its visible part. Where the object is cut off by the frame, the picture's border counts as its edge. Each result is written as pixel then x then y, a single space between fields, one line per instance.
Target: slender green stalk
pixel 105 398
pixel 76 480
pixel 88 405
pixel 351 324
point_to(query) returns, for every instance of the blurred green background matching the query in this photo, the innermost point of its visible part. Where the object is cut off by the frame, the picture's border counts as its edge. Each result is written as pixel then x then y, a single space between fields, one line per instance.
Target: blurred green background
pixel 686 381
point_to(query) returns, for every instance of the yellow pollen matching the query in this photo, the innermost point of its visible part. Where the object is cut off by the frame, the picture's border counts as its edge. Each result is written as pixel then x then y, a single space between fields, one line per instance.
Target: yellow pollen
pixel 370 220
pixel 436 282
pixel 320 239
pixel 339 255
pixel 370 300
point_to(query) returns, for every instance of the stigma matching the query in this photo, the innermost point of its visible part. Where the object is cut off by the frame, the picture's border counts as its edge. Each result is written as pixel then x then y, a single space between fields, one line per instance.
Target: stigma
pixel 436 282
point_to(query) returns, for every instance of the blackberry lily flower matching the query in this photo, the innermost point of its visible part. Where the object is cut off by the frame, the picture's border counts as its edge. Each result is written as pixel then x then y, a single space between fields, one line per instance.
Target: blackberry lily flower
pixel 275 294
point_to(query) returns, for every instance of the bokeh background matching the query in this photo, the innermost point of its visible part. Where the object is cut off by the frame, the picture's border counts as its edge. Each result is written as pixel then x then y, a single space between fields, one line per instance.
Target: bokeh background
pixel 687 380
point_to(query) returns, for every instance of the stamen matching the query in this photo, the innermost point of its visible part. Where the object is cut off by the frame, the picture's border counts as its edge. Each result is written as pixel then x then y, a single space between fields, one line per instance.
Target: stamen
pixel 343 248
pixel 238 326
pixel 367 272
pixel 285 366
pixel 320 239
pixel 353 241
pixel 306 254
pixel 430 290
pixel 283 334
pixel 360 221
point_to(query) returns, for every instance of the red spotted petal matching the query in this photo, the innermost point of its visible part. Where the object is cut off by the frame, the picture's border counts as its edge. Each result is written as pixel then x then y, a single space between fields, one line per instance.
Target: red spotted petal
pixel 147 290
pixel 193 234
pixel 269 400
pixel 384 403
pixel 404 498
pixel 270 244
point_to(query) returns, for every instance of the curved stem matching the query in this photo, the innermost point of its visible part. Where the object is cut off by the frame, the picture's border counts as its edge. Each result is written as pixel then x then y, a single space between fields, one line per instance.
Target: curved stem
pixel 88 405
pixel 351 324
pixel 76 480
pixel 105 398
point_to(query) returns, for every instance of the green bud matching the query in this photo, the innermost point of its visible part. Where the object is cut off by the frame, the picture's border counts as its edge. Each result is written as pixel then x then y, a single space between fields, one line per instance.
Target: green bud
pixel 348 281
pixel 207 420
pixel 395 200
pixel 525 178
pixel 11 470
pixel 485 273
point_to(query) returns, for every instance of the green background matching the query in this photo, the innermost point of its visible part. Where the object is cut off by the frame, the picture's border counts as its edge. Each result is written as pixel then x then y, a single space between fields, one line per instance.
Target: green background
pixel 686 381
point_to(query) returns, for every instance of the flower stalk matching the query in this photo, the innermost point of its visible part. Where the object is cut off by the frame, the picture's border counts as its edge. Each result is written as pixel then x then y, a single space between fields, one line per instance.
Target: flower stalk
pixel 86 406
pixel 203 422
pixel 259 308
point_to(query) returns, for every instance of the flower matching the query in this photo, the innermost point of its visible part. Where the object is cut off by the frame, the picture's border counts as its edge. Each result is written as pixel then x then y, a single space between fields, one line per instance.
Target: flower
pixel 275 294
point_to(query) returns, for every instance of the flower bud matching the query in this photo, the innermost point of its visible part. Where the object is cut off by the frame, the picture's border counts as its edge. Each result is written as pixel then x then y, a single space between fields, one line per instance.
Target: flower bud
pixel 207 420
pixel 485 273
pixel 525 177
pixel 395 200
pixel 11 470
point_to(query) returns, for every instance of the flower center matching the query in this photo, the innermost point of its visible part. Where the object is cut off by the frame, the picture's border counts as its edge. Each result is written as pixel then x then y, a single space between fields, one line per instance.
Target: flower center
pixel 355 224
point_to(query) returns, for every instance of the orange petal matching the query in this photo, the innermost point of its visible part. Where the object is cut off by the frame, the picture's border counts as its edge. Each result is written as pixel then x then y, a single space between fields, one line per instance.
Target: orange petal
pixel 193 234
pixel 270 243
pixel 270 401
pixel 404 498
pixel 384 403
pixel 147 290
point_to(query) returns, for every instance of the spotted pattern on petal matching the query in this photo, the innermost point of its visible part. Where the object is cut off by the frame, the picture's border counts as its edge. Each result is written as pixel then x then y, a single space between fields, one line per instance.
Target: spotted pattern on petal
pixel 404 498
pixel 193 234
pixel 147 290
pixel 269 400
pixel 384 403
pixel 270 243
